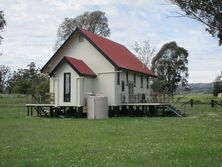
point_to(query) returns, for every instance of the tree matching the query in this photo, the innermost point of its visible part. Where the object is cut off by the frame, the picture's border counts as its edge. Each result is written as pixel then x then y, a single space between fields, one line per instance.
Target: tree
pixel 4 76
pixel 144 52
pixel 208 12
pixel 2 25
pixel 29 81
pixel 170 64
pixel 217 85
pixel 95 22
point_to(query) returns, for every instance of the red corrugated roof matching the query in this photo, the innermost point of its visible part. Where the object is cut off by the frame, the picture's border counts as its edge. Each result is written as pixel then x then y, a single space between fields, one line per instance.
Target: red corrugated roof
pixel 80 66
pixel 118 54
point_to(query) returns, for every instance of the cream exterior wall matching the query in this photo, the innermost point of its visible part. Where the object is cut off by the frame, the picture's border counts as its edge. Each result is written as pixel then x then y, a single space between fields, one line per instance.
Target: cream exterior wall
pixel 104 83
pixel 84 51
pixel 80 87
pixel 137 88
pixel 59 89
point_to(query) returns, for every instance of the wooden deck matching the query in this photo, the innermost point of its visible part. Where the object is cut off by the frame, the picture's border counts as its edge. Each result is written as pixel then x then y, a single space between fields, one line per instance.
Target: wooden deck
pixel 145 104
pixel 40 105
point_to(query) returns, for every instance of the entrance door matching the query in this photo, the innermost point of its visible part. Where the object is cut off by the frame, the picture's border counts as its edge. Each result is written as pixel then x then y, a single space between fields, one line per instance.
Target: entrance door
pixel 131 91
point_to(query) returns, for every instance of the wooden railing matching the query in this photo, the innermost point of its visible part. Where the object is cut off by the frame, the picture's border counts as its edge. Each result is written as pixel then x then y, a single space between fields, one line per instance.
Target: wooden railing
pixel 48 98
pixel 145 98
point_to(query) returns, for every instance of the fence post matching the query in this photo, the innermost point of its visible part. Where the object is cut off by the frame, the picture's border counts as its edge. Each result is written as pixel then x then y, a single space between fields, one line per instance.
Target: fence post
pixel 191 102
pixel 212 103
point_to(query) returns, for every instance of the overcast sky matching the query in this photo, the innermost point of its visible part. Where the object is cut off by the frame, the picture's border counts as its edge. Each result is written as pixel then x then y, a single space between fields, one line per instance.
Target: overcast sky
pixel 32 26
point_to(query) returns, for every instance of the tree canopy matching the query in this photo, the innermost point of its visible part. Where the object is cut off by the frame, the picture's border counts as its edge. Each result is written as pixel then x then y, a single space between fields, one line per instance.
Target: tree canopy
pixel 208 12
pixel 28 81
pixel 95 22
pixel 2 23
pixel 217 85
pixel 144 52
pixel 170 64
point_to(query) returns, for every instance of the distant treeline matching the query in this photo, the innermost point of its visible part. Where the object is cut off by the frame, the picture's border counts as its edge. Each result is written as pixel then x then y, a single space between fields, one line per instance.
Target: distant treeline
pixel 23 81
pixel 196 88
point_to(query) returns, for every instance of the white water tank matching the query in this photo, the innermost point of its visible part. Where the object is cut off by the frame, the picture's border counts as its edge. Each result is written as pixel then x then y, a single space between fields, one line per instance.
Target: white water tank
pixel 97 107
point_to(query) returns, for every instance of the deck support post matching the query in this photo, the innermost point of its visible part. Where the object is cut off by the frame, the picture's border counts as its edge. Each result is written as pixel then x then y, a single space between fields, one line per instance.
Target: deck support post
pixel 131 111
pixel 38 113
pixel 51 112
pixel 152 110
pixel 79 112
pixel 28 111
pixel 163 110
pixel 146 110
pixel 57 112
pixel 124 110
pixel 116 111
pixel 31 111
pixel 110 112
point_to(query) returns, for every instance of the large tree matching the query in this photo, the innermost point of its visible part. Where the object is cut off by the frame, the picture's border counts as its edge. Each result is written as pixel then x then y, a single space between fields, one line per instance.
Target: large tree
pixel 170 64
pixel 217 85
pixel 144 52
pixel 208 12
pixel 95 22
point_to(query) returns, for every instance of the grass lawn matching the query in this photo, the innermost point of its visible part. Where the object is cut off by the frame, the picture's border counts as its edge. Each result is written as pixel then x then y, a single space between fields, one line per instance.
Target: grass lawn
pixel 195 140
pixel 199 98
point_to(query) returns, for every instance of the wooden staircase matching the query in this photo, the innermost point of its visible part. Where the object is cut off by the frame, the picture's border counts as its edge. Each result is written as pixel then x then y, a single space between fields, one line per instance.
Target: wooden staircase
pixel 174 110
pixel 40 110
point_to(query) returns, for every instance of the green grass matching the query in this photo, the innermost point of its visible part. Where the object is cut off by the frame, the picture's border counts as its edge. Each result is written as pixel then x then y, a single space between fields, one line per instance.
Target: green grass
pixel 199 98
pixel 12 100
pixel 195 140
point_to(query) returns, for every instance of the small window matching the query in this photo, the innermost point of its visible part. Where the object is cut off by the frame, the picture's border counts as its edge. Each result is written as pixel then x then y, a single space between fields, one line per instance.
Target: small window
pixel 118 78
pixel 81 38
pixel 134 79
pixel 141 81
pixel 67 87
pixel 147 82
pixel 123 86
pixel 127 77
